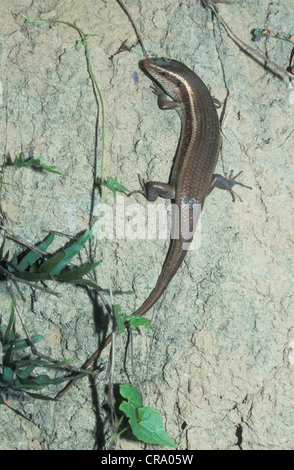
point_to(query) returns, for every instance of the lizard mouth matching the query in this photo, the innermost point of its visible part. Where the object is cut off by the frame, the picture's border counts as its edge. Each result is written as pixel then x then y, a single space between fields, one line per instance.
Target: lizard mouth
pixel 151 68
pixel 142 65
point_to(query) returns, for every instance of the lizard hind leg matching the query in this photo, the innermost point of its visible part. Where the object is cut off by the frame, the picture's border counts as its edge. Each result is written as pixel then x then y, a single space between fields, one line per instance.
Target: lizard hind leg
pixel 154 189
pixel 226 183
pixel 140 191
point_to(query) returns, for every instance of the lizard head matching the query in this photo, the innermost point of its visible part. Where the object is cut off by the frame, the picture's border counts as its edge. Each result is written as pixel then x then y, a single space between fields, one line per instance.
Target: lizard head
pixel 171 75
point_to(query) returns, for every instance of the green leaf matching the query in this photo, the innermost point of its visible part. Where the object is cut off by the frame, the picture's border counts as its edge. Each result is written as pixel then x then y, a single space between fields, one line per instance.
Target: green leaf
pixel 122 292
pixel 38 396
pixel 33 163
pixel 132 394
pixel 33 383
pixel 71 251
pixel 22 343
pixel 24 374
pixel 50 168
pixel 134 400
pixel 78 272
pixel 9 333
pixel 78 45
pixel 2 248
pixel 87 282
pixel 8 354
pixel 6 379
pixel 41 381
pixel 18 161
pixel 114 186
pixel 146 422
pixel 33 277
pixel 41 363
pixel 118 318
pixel 29 259
pixel 128 410
pixel 149 427
pixel 52 264
pixel 137 320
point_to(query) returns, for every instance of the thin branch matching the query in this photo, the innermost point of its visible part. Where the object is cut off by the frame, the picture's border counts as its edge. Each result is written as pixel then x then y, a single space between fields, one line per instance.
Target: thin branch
pixel 21 241
pixel 13 278
pixel 233 36
pixel 29 339
pixel 123 6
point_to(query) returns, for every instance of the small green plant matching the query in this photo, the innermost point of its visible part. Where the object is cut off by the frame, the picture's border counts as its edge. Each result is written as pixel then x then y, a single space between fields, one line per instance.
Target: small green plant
pixel 32 267
pixel 115 186
pixel 36 163
pixel 133 320
pixel 37 265
pixel 146 422
pixel 18 372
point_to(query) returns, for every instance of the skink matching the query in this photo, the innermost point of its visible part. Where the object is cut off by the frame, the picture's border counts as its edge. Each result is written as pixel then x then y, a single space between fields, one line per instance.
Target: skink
pixel 192 177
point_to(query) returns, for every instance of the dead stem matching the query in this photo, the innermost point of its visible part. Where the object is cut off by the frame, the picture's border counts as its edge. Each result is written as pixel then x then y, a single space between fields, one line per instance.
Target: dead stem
pixel 123 6
pixel 246 47
pixel 21 241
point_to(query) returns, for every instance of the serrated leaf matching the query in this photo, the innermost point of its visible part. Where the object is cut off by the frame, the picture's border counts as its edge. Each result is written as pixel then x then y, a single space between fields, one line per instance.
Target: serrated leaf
pixel 33 277
pixel 52 264
pixel 137 320
pixel 9 333
pixel 33 163
pixel 41 381
pixel 78 272
pixel 24 374
pixel 13 262
pixel 29 259
pixel 6 379
pixel 22 343
pixel 8 354
pixel 38 396
pixel 41 363
pixel 71 251
pixel 87 282
pixel 114 186
pixel 32 362
pixel 123 292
